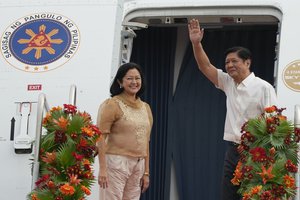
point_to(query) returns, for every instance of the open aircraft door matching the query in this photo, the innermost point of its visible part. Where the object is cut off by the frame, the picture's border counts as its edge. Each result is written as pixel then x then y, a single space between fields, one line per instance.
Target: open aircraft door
pixel 239 24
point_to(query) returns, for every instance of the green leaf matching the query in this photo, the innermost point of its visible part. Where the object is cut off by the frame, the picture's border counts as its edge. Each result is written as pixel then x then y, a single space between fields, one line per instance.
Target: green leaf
pixel 262 141
pixel 58 113
pixel 47 141
pixel 64 154
pixel 276 141
pixel 76 123
pixel 257 127
pixel 44 194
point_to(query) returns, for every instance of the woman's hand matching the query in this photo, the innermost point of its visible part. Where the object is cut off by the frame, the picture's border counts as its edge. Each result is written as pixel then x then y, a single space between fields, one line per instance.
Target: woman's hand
pixel 145 182
pixel 102 179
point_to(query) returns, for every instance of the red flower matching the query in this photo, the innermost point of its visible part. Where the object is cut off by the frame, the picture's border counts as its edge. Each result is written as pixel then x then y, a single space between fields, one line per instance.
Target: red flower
pixel 258 154
pixel 43 179
pixel 86 116
pixel 266 195
pixel 272 151
pixel 82 143
pixel 51 184
pixel 70 109
pixel 77 156
pixel 291 167
pixel 95 130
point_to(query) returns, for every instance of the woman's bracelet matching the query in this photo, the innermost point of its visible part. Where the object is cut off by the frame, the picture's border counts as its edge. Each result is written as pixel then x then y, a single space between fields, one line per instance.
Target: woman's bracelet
pixel 146 174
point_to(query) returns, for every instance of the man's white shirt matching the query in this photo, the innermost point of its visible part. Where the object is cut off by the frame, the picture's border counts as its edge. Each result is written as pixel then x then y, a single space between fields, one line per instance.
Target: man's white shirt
pixel 244 101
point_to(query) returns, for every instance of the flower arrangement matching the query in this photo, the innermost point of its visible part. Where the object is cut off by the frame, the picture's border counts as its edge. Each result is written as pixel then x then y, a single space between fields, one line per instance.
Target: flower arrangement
pixel 66 155
pixel 268 157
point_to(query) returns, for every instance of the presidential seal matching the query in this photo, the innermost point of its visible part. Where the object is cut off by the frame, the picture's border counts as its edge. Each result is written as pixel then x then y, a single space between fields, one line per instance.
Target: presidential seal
pixel 40 42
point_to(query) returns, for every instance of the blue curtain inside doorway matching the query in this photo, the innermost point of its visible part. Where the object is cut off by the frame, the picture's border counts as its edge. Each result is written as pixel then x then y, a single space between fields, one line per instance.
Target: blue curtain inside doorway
pixel 154 50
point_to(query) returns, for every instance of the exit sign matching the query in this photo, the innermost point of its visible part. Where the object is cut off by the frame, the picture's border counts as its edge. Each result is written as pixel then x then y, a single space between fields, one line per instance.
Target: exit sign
pixel 34 87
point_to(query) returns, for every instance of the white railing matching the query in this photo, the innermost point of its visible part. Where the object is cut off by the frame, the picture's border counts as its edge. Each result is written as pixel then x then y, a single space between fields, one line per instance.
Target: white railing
pixel 43 105
pixel 73 95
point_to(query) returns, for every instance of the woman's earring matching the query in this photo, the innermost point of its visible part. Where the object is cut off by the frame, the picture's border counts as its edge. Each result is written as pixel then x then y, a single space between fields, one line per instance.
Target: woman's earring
pixel 120 86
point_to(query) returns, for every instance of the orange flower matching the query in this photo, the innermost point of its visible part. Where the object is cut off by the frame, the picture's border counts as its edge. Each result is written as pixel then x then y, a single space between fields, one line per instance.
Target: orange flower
pixel 58 108
pixel 266 174
pixel 47 118
pixel 235 181
pixel 289 181
pixel 67 189
pixel 246 196
pixel 270 109
pixel 74 180
pixel 86 162
pixel 34 197
pixel 282 117
pixel 256 189
pixel 85 190
pixel 49 157
pixel 237 174
pixel 89 132
pixel 62 122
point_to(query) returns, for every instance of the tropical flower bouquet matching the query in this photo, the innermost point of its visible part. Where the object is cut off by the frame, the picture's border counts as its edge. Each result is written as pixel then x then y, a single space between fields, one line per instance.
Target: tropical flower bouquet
pixel 66 155
pixel 268 163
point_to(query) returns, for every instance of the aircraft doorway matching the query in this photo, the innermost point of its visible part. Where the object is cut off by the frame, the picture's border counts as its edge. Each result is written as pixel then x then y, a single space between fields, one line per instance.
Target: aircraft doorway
pixel 188 110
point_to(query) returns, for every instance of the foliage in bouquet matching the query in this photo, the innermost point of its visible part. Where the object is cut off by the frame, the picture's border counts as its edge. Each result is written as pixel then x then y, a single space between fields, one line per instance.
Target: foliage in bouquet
pixel 268 163
pixel 66 154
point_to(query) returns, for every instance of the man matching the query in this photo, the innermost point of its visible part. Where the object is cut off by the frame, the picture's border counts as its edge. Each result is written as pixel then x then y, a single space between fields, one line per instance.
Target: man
pixel 247 96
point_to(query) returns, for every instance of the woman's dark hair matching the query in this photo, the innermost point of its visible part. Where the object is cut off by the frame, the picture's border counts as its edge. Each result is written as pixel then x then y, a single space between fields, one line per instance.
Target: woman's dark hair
pixel 123 69
pixel 242 52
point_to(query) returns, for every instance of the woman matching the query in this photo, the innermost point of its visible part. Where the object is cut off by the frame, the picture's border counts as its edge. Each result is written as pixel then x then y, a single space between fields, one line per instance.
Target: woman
pixel 125 122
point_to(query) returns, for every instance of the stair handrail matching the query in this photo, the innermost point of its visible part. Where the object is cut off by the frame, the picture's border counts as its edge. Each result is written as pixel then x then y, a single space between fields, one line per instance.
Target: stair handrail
pixel 73 95
pixel 41 106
